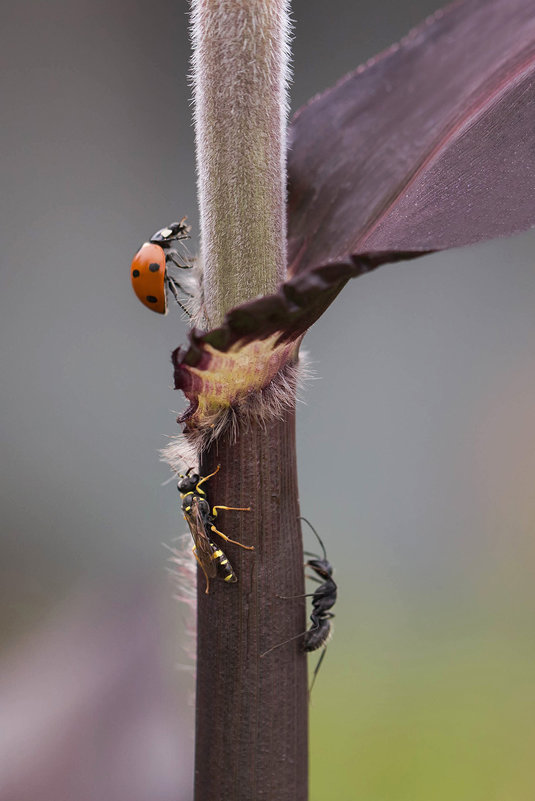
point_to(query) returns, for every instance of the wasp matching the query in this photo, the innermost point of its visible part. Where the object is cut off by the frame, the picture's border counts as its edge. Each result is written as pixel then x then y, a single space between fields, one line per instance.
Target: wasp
pixel 323 599
pixel 201 521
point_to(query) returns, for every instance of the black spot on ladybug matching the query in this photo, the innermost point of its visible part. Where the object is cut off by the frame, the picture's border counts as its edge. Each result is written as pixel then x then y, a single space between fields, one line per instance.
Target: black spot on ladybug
pixel 154 267
pixel 152 299
pixel 135 273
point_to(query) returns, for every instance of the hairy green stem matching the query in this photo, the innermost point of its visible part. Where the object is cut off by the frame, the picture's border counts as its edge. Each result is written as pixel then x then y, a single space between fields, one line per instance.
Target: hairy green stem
pixel 240 72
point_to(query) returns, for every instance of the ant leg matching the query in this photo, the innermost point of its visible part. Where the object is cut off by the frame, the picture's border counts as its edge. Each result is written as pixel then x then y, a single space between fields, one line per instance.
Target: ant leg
pixel 290 597
pixel 316 670
pixel 194 549
pixel 227 539
pixel 206 479
pixel 172 286
pixel 269 650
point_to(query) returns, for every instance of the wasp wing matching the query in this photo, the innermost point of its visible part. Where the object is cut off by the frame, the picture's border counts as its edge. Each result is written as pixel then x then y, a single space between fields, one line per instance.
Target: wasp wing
pixel 203 546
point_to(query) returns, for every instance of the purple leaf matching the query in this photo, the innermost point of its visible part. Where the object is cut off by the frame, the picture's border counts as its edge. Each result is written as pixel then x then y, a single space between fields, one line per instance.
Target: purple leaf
pixel 430 145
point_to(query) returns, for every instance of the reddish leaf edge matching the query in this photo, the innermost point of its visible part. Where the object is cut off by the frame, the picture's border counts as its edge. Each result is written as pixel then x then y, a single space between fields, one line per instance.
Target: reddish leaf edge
pixel 288 313
pixel 249 368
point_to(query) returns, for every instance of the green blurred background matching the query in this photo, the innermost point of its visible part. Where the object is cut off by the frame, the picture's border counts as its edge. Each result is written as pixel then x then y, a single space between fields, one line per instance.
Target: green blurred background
pixel 427 687
pixel 416 444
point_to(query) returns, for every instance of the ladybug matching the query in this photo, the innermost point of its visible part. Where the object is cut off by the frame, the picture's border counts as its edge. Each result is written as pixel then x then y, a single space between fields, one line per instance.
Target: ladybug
pixel 150 278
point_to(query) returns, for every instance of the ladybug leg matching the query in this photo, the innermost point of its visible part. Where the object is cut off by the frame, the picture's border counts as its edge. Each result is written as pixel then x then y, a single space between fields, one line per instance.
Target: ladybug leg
pixel 173 287
pixel 175 258
pixel 179 286
pixel 170 257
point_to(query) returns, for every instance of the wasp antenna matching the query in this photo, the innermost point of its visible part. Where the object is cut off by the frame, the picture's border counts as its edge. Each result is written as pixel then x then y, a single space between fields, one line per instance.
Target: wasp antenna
pixel 317 535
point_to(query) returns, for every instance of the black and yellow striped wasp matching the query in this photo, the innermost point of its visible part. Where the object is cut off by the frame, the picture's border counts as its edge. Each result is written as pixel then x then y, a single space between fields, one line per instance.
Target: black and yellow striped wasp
pixel 201 521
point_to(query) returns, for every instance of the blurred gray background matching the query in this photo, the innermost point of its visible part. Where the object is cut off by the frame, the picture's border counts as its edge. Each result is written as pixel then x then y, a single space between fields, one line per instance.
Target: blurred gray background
pixel 420 424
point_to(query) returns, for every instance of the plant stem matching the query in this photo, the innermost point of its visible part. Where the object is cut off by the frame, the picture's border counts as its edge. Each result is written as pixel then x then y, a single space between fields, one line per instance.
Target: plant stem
pixel 252 711
pixel 240 70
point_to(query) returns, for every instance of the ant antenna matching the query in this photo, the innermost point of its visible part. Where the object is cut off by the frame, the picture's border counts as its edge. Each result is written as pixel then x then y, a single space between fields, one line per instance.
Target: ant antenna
pixel 317 537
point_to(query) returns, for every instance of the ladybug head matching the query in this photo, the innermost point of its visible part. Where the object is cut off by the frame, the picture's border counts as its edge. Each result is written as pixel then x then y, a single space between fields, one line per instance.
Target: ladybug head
pixel 175 230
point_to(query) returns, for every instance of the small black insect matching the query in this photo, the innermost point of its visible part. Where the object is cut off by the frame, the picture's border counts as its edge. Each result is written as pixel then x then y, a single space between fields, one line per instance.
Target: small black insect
pixel 201 521
pixel 323 599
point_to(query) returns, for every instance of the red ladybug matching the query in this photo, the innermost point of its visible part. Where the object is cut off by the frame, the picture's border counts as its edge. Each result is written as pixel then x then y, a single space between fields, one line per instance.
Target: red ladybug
pixel 148 272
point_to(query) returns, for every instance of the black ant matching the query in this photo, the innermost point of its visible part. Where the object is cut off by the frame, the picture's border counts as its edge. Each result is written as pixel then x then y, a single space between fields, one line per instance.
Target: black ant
pixel 323 599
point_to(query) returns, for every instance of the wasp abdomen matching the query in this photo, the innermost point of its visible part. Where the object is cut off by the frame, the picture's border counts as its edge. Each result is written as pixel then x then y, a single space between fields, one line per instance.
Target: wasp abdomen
pixel 224 568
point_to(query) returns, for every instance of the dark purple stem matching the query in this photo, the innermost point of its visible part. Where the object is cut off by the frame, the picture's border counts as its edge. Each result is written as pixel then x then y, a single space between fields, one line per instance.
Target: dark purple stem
pixel 252 711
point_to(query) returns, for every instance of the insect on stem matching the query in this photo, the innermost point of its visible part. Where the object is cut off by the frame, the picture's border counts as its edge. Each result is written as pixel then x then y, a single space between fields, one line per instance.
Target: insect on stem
pixel 201 521
pixel 323 599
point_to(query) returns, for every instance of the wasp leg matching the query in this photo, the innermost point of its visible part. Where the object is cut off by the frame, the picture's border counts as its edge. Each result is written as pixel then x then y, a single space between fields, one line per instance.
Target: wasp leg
pixel 206 479
pixel 227 539
pixel 231 508
pixel 194 549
